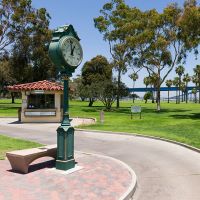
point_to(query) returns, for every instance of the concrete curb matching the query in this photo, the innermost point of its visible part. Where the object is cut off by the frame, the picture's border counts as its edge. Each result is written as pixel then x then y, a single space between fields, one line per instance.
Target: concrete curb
pixel 144 136
pixel 95 120
pixel 132 188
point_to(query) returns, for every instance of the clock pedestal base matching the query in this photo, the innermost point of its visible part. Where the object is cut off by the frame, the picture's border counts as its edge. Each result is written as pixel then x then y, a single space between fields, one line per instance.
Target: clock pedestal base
pixel 65 148
pixel 65 165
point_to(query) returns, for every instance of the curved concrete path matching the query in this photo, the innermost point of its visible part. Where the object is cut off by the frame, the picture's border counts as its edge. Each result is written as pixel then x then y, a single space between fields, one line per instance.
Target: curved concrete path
pixel 165 171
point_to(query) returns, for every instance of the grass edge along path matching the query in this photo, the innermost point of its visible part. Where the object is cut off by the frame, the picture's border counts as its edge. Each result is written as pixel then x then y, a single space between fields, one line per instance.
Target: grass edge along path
pixel 178 122
pixel 10 144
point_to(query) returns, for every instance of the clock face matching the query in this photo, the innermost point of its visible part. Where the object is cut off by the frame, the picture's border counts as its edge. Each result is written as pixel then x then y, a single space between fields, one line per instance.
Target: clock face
pixel 71 51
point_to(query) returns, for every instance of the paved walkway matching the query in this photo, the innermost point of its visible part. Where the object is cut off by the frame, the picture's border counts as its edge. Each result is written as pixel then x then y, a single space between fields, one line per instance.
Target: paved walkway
pixel 96 178
pixel 75 122
pixel 165 171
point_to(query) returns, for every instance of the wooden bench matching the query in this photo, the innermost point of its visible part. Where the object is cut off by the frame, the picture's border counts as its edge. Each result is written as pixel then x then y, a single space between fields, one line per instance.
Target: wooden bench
pixel 21 159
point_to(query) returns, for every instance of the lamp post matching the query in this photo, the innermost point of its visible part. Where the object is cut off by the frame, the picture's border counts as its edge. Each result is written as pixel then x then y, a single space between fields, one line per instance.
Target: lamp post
pixel 66 53
pixel 65 135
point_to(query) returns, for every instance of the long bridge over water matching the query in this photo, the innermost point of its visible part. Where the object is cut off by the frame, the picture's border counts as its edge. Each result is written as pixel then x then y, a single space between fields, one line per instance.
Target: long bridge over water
pixel 164 89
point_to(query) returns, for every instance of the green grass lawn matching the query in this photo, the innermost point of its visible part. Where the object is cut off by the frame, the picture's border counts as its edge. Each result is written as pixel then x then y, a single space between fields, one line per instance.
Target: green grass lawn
pixel 179 122
pixel 7 109
pixel 10 144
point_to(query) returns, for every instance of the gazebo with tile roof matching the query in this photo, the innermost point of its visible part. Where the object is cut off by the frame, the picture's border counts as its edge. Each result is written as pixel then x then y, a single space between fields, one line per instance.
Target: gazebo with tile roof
pixel 41 101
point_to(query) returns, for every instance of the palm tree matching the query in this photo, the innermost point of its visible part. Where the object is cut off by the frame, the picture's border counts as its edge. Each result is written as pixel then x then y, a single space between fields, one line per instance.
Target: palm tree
pixel 186 80
pixel 176 84
pixel 183 90
pixel 194 91
pixel 195 81
pixel 168 83
pixel 197 73
pixel 134 77
pixel 154 80
pixel 146 81
pixel 180 71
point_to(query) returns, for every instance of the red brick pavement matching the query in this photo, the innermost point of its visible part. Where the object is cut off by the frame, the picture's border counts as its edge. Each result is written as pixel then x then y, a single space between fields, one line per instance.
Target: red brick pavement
pixel 101 178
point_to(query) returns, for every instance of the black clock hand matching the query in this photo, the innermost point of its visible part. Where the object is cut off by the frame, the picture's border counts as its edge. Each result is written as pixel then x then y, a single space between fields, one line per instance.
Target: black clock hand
pixel 73 51
pixel 71 48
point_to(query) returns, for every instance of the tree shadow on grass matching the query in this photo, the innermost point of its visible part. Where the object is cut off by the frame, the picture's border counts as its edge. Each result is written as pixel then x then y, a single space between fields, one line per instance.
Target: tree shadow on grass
pixel 92 109
pixel 164 110
pixel 127 110
pixel 194 116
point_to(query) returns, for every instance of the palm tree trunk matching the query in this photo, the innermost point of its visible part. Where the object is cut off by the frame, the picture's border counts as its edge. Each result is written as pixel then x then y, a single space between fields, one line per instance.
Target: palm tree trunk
pixel 182 96
pixel 153 97
pixel 158 98
pixel 199 93
pixel 168 95
pixel 133 91
pixel 179 92
pixel 186 94
pixel 152 93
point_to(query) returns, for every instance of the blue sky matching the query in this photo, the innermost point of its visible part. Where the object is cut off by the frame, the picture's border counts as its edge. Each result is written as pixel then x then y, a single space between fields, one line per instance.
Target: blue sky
pixel 80 14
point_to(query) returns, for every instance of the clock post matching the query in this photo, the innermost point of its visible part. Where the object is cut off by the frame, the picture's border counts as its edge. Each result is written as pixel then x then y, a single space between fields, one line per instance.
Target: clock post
pixel 66 53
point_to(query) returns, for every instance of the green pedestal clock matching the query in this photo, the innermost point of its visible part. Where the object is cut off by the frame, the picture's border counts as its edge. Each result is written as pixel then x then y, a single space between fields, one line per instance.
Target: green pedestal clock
pixel 66 53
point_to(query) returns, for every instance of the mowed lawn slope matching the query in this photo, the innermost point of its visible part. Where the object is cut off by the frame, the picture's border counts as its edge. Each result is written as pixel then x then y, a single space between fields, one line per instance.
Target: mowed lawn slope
pixel 179 122
pixel 10 144
pixel 7 109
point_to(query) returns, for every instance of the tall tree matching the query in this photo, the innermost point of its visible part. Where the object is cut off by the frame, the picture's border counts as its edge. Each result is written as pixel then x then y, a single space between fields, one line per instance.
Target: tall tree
pixel 186 80
pixel 6 77
pixel 95 71
pixel 194 92
pixel 179 71
pixel 169 83
pixel 107 92
pixel 12 14
pixel 153 40
pixel 190 3
pixel 16 17
pixel 190 25
pixel 29 55
pixel 108 24
pixel 159 40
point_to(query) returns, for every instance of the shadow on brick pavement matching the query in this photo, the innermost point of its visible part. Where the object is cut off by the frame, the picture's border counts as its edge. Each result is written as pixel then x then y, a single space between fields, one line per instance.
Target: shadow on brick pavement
pixel 98 178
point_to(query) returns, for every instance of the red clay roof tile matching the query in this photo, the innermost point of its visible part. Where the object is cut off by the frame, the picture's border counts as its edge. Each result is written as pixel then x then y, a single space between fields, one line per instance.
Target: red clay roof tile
pixel 39 85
